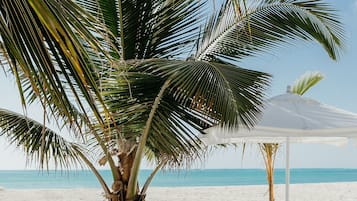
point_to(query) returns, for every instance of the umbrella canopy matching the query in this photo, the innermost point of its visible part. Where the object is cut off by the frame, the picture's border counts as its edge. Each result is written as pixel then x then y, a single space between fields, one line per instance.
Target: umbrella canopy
pixel 291 115
pixel 291 118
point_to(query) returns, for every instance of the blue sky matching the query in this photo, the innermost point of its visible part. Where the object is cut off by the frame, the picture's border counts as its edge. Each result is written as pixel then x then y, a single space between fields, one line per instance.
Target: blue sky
pixel 286 65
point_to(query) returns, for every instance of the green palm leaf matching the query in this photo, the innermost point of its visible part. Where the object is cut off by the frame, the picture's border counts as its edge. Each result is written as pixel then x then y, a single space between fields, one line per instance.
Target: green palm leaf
pixel 221 91
pixel 41 144
pixel 42 43
pixel 146 29
pixel 200 95
pixel 227 35
pixel 305 82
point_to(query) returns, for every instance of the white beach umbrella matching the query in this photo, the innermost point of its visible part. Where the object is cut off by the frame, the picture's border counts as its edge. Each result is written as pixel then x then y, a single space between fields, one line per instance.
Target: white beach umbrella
pixel 291 118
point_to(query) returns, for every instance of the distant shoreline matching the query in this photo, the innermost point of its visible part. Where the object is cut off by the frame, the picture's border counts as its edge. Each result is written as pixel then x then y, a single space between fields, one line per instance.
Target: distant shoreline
pixel 34 179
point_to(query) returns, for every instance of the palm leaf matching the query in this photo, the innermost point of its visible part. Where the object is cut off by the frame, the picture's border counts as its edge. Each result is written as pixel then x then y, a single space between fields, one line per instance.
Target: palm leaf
pixel 200 95
pixel 175 28
pixel 41 144
pixel 305 82
pixel 227 35
pixel 221 91
pixel 42 42
pixel 105 13
pixel 146 29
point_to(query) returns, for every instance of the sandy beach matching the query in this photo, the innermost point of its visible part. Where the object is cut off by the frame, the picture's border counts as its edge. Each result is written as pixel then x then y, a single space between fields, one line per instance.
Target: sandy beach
pixel 299 192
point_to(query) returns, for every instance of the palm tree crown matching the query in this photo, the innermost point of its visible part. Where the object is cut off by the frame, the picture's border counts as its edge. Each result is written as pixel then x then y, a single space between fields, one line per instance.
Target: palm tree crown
pixel 144 77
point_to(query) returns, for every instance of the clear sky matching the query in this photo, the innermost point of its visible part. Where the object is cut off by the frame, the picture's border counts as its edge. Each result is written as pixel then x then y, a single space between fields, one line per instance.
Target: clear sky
pixel 286 65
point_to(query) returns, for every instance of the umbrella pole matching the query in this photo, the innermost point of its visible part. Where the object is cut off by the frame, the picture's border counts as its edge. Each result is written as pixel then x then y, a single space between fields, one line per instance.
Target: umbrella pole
pixel 287 169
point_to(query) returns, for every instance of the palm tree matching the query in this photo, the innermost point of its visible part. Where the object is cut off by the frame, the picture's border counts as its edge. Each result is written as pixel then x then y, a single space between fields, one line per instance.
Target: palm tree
pixel 269 150
pixel 142 78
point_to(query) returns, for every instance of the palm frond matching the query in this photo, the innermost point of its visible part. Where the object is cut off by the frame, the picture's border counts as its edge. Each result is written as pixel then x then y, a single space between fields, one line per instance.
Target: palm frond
pixel 106 20
pixel 305 82
pixel 106 11
pixel 43 44
pixel 145 29
pixel 221 91
pixel 227 35
pixel 41 144
pixel 175 28
pixel 200 95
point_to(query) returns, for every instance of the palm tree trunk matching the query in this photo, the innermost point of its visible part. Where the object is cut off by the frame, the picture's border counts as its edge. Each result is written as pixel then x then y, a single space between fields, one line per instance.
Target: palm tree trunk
pixel 119 197
pixel 270 177
pixel 114 197
pixel 269 152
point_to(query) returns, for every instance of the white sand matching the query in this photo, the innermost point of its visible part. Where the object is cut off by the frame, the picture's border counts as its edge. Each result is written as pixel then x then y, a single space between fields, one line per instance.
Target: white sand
pixel 299 192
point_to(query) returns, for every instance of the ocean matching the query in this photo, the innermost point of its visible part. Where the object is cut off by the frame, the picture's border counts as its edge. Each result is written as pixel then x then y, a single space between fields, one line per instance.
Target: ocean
pixel 34 179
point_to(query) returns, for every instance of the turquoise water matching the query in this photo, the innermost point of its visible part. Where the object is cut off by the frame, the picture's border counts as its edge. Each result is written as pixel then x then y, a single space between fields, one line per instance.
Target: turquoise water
pixel 211 177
